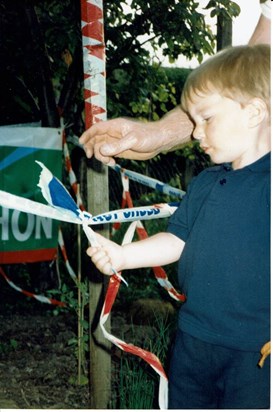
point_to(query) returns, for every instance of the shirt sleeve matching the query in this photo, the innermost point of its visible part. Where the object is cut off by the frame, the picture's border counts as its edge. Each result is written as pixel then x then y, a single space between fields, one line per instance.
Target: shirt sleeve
pixel 266 9
pixel 179 222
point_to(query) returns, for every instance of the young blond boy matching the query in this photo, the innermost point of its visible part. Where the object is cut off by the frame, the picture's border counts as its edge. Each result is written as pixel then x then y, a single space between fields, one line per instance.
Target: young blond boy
pixel 220 235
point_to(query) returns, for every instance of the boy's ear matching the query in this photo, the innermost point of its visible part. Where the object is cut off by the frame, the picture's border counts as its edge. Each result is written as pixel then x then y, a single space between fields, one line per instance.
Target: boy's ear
pixel 257 111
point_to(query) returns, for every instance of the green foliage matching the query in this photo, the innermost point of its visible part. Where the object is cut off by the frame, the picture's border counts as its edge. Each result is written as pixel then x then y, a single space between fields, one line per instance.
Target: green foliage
pixel 76 300
pixel 156 103
pixel 32 55
pixel 175 27
pixel 138 383
pixel 177 76
pixel 135 86
pixel 8 347
pixel 225 8
pixel 65 294
pixel 154 97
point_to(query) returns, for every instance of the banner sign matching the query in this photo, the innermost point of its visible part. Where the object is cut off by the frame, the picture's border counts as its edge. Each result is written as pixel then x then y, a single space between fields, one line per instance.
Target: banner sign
pixel 25 237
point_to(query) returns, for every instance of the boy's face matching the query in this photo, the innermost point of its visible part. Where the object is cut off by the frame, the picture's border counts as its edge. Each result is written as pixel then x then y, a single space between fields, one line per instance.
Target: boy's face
pixel 222 127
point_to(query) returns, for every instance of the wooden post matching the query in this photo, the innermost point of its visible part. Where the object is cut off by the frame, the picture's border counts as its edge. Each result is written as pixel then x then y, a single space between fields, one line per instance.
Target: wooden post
pixel 224 32
pixel 100 359
pixel 97 191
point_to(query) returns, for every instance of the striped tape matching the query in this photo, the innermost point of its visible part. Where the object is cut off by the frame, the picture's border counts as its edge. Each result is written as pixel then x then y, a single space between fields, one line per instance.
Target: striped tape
pixel 150 182
pixel 40 298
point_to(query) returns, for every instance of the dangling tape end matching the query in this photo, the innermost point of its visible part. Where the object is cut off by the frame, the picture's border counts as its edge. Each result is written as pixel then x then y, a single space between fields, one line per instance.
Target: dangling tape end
pixel 118 275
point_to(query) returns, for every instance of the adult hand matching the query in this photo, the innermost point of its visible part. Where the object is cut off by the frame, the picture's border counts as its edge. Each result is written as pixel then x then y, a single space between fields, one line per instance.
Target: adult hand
pixel 137 140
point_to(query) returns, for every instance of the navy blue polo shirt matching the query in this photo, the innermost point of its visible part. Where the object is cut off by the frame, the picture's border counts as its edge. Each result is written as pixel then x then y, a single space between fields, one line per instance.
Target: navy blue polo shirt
pixel 224 268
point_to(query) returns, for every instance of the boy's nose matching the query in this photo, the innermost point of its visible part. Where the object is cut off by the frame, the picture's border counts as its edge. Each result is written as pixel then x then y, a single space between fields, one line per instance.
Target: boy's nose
pixel 198 132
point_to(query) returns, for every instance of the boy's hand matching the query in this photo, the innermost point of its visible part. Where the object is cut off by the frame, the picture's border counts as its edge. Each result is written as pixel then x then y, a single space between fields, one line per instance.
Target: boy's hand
pixel 107 257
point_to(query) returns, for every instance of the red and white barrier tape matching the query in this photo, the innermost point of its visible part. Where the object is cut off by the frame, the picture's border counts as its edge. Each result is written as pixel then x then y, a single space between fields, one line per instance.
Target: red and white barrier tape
pixel 65 257
pixel 93 61
pixel 112 291
pixel 71 175
pixel 147 356
pixel 159 272
pixel 34 207
pixel 150 182
pixel 40 298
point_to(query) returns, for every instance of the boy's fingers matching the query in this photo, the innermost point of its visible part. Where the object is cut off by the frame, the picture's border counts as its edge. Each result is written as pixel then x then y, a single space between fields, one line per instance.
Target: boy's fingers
pixel 103 263
pixel 91 251
pixel 99 256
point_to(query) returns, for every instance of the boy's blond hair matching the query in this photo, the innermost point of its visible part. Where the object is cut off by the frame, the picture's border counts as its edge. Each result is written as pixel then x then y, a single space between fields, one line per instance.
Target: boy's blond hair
pixel 240 73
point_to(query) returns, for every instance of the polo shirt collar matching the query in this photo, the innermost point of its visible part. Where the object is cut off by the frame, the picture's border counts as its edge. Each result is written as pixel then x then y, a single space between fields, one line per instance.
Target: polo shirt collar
pixel 261 165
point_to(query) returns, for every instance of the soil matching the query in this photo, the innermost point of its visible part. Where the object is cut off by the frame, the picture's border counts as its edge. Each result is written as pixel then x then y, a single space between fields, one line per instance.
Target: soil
pixel 38 366
pixel 37 363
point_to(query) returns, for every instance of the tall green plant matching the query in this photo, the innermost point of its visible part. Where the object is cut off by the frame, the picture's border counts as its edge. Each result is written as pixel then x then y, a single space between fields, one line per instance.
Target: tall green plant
pixel 76 301
pixel 137 386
